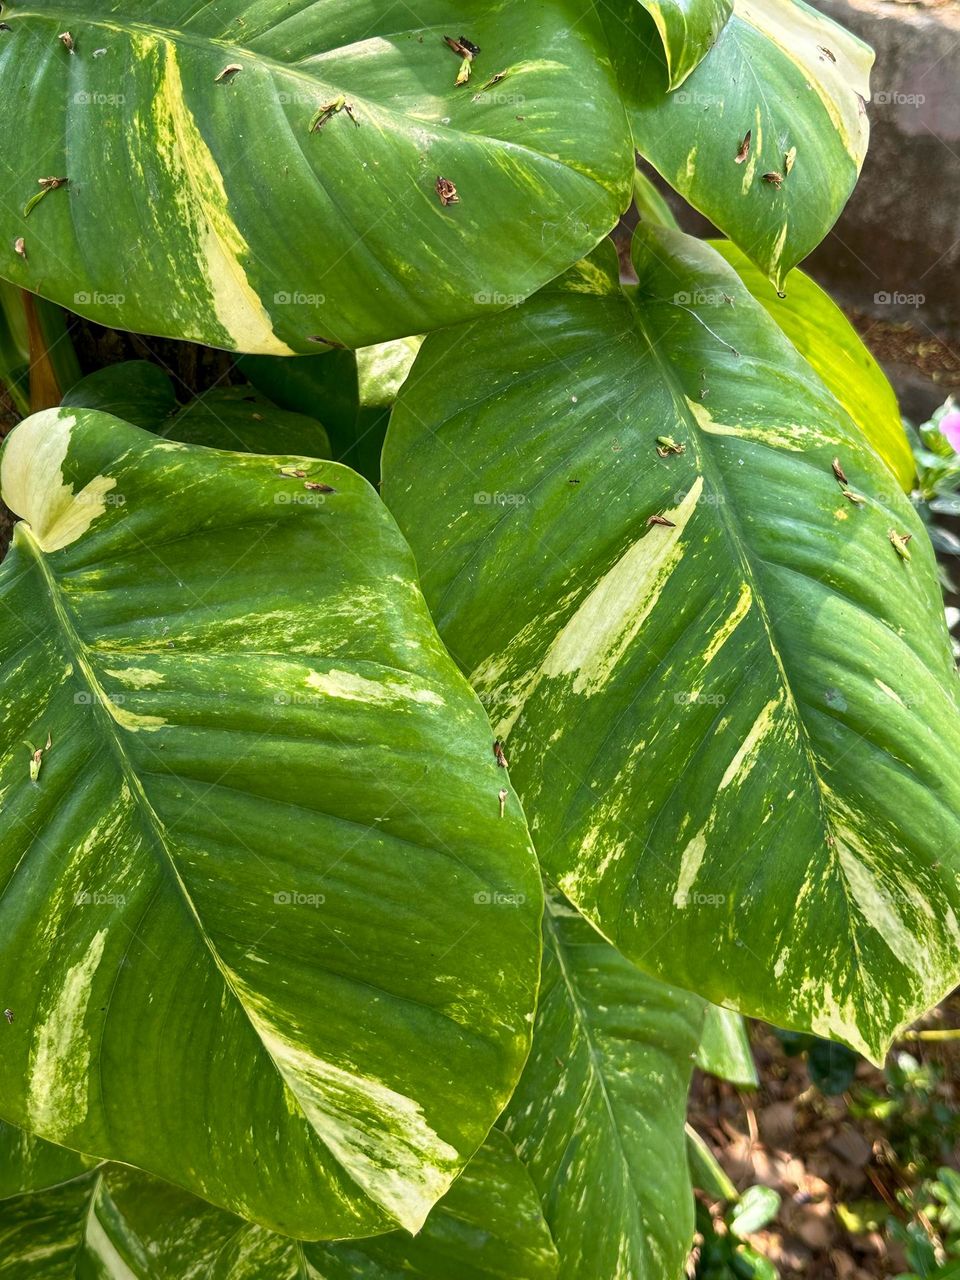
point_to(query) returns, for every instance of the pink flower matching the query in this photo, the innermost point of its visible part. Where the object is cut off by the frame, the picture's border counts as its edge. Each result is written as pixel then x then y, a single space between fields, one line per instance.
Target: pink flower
pixel 950 427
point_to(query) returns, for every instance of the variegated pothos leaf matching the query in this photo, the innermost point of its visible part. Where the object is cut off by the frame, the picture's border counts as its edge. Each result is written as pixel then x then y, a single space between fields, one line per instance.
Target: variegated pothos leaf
pixel 598 1115
pixel 720 671
pixel 250 836
pixel 282 162
pixel 121 1224
pixel 767 135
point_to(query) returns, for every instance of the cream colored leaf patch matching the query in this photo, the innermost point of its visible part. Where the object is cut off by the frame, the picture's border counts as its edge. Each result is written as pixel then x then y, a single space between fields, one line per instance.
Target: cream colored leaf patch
pixel 31 479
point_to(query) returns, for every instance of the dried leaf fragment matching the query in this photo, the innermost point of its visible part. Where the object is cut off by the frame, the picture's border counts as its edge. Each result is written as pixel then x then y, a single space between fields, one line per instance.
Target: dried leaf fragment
pixel 899 543
pixel 46 185
pixel 467 51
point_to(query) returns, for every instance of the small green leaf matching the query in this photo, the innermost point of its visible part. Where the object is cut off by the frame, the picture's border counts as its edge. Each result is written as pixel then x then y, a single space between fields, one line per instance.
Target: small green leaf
pixel 755 1209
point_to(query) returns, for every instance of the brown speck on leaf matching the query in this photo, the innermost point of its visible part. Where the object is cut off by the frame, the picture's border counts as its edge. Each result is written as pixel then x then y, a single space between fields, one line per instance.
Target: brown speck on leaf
pixel 447 192
pixel 503 801
pixel 574 480
pixel 498 753
pixel 317 486
pixel 66 39
pixel 228 72
pixel 668 524
pixel 839 472
pixel 744 149
pixel 775 179
pixel 826 53
pixel 20 247
pixel 8 1014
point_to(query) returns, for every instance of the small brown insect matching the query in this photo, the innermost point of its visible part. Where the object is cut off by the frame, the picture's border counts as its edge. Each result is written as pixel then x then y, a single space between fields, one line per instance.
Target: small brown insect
pixel 498 752
pixel 291 473
pixel 856 498
pixel 667 445
pixel 826 53
pixel 20 247
pixel 839 472
pixel 775 179
pixel 8 1014
pixel 669 524
pixel 317 486
pixel 503 801
pixel 228 72
pixel 328 342
pixel 447 192
pixel 744 149
pixel 66 39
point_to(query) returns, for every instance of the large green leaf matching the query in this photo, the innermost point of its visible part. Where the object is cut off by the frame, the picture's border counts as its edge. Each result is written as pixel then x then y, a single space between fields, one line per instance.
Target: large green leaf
pixel 781 72
pixel 822 333
pixel 126 1225
pixel 254 848
pixel 688 29
pixel 735 733
pixel 598 1116
pixel 201 204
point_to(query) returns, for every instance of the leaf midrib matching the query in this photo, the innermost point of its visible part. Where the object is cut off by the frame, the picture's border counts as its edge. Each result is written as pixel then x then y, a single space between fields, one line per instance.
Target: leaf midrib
pixel 726 514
